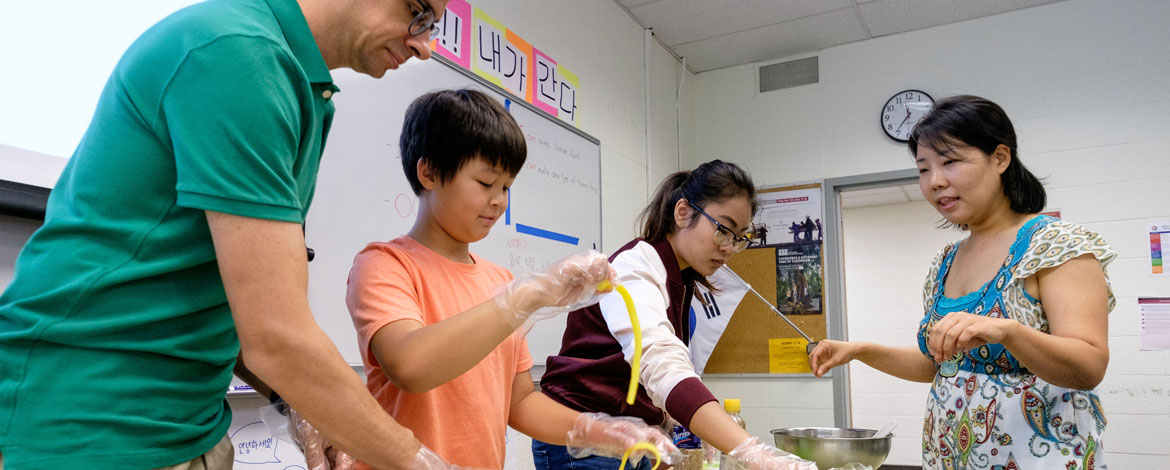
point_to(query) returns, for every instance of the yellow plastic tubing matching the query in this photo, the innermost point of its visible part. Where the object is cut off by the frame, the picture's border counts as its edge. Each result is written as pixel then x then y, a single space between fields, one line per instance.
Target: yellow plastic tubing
pixel 636 363
pixel 635 371
pixel 642 446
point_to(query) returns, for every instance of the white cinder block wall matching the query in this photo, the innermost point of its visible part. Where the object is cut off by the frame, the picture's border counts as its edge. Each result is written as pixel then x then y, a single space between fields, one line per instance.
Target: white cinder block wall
pixel 1087 84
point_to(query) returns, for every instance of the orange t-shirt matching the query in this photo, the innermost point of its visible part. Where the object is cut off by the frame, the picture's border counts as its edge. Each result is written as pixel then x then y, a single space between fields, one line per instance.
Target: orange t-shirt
pixel 465 420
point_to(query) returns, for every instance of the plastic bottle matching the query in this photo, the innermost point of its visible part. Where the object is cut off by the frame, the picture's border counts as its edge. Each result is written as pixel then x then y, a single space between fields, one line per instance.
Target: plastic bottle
pixel 691 447
pixel 731 406
pixel 710 456
pixel 714 459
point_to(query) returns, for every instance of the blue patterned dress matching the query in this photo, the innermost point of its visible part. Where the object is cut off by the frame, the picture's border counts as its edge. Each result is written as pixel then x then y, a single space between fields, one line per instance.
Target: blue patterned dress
pixel 985 410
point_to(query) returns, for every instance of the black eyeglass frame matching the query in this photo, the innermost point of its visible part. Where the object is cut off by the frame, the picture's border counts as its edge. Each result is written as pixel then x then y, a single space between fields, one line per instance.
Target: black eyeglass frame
pixel 421 22
pixel 740 243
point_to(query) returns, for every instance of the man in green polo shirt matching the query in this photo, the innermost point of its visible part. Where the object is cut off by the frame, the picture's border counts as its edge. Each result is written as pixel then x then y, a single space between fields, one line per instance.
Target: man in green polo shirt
pixel 172 243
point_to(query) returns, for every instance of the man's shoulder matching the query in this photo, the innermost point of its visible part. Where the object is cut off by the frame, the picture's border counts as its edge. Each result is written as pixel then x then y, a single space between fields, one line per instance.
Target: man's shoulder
pixel 195 28
pixel 215 18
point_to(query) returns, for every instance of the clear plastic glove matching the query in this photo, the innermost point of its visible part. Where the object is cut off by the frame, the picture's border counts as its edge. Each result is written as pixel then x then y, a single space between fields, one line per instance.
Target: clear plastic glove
pixel 425 459
pixel 320 454
pixel 569 284
pixel 609 436
pixel 754 454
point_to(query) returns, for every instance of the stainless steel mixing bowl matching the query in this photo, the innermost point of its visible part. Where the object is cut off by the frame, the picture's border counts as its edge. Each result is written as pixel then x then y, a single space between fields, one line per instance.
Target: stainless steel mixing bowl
pixel 834 447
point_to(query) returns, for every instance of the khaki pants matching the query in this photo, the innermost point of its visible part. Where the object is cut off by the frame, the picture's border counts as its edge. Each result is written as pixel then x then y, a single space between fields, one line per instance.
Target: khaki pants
pixel 219 457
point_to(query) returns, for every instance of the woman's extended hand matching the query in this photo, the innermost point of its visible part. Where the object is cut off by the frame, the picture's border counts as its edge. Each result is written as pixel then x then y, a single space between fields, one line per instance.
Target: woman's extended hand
pixel 830 354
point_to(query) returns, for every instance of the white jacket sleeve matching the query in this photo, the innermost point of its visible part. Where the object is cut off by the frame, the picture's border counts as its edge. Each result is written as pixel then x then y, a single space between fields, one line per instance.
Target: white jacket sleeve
pixel 666 360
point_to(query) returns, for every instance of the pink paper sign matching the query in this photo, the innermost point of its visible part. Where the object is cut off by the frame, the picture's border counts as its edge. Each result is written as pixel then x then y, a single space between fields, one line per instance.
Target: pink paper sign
pixel 454 41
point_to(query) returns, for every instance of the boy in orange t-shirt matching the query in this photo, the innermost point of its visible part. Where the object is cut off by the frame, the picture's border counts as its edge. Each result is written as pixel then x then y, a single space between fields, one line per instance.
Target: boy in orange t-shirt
pixel 441 352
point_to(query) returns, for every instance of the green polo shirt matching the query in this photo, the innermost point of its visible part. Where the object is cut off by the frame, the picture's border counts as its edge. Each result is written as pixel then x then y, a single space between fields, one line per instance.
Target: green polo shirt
pixel 116 341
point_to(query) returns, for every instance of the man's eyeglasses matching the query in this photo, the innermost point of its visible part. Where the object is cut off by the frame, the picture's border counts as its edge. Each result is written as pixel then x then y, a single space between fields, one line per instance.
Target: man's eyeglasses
pixel 723 235
pixel 424 20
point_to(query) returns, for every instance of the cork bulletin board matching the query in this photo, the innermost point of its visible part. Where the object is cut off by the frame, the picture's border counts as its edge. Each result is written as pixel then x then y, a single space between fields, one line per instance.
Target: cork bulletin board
pixel 786 268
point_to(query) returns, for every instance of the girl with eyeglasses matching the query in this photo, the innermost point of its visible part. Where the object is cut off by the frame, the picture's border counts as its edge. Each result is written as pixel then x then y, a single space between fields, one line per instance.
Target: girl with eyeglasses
pixel 694 223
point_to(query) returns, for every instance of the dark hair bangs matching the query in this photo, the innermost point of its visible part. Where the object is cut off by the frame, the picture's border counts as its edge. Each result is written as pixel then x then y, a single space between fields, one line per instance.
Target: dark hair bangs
pixel 449 128
pixel 501 144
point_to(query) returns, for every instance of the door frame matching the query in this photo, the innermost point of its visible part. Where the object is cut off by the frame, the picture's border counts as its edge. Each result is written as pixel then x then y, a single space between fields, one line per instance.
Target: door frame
pixel 834 268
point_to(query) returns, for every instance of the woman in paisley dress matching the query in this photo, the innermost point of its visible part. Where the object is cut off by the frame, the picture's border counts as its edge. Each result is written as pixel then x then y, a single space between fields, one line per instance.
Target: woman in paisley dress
pixel 1015 334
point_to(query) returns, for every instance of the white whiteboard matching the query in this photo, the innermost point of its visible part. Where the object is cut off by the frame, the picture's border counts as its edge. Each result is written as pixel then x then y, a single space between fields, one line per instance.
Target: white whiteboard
pixel 363 196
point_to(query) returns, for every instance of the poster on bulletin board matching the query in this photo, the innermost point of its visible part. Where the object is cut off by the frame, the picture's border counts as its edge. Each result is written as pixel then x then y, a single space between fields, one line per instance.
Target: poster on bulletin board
pixel 733 331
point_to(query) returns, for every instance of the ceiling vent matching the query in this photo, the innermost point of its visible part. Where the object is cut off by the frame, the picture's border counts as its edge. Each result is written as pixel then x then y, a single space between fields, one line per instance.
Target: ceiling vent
pixel 789 74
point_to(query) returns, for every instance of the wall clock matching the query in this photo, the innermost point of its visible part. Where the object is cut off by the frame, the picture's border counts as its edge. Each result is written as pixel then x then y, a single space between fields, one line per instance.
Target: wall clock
pixel 902 111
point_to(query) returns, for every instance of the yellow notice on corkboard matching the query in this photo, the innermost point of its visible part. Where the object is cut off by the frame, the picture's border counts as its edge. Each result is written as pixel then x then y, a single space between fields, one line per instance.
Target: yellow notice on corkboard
pixel 787 356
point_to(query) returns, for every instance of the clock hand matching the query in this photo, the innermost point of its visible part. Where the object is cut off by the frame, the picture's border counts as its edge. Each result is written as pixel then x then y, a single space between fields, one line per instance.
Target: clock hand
pixel 903 121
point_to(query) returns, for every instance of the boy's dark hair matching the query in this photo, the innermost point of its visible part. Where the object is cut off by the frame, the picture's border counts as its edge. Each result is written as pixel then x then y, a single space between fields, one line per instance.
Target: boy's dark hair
pixel 714 181
pixel 448 128
pixel 972 121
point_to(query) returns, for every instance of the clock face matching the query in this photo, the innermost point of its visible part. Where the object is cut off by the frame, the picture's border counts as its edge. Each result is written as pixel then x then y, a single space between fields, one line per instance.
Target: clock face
pixel 903 111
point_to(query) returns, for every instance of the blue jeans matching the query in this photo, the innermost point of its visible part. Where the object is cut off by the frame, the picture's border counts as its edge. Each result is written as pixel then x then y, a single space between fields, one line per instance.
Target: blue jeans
pixel 553 457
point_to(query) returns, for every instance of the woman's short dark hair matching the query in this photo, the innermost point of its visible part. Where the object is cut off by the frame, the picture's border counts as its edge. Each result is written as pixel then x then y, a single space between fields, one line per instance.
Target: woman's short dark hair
pixel 715 181
pixel 449 128
pixel 971 121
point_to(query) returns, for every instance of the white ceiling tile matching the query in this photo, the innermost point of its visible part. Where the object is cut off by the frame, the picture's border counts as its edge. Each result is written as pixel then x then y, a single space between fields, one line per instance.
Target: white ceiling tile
pixel 681 21
pixel 721 33
pixel 885 17
pixel 769 42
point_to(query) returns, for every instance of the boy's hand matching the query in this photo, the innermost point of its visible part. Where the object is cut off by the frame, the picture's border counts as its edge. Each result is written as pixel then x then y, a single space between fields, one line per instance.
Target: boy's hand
pixel 754 454
pixel 569 284
pixel 610 436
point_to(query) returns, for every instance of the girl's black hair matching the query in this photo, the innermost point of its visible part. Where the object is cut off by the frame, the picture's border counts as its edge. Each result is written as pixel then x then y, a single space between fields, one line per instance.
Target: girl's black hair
pixel 715 181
